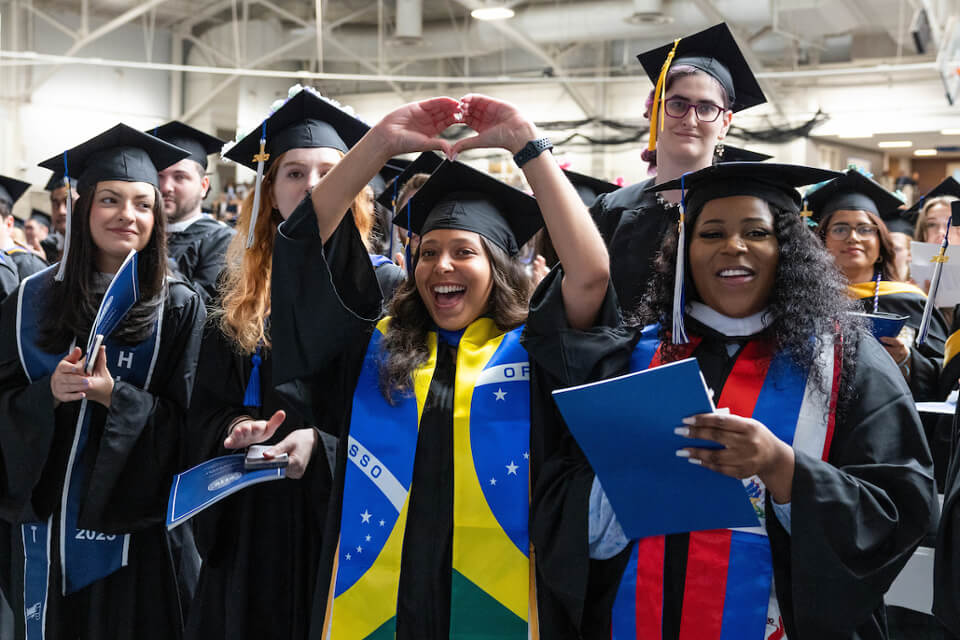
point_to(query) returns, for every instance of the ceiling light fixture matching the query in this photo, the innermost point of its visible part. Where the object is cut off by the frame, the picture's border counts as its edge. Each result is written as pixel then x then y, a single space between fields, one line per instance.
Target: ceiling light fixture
pixel 492 11
pixel 950 132
pixel 925 152
pixel 895 144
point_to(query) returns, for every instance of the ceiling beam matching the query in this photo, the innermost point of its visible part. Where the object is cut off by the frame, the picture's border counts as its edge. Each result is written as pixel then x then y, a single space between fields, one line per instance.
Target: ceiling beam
pixel 56 24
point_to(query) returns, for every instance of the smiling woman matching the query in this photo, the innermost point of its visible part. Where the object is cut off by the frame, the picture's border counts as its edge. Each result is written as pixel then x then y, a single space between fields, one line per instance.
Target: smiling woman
pixel 84 504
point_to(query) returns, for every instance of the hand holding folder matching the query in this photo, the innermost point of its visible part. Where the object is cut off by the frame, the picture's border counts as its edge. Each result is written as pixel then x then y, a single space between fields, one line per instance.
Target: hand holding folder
pixel 625 426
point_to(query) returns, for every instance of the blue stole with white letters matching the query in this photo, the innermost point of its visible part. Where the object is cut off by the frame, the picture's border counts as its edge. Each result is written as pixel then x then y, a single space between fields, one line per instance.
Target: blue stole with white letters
pixel 85 555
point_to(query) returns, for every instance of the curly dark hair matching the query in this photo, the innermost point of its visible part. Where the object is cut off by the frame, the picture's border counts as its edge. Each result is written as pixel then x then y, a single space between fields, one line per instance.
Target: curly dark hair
pixel 809 298
pixel 405 344
pixel 72 303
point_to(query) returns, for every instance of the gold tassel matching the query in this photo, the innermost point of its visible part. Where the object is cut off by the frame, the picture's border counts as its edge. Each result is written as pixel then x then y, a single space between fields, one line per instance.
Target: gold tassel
pixel 658 94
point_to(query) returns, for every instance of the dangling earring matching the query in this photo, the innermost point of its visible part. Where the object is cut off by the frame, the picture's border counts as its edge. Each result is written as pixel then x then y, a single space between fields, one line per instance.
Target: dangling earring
pixel 718 150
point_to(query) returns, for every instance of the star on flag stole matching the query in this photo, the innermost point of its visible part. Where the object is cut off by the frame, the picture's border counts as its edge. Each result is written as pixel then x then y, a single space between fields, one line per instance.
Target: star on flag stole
pixel 727 590
pixel 491 592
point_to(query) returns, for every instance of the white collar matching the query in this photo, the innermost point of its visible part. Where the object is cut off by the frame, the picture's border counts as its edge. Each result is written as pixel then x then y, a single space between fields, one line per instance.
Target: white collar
pixel 180 227
pixel 730 327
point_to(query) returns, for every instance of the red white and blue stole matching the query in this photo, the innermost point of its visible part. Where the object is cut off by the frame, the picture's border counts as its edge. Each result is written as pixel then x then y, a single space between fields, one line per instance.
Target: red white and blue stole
pixel 728 589
pixel 85 555
pixel 492 592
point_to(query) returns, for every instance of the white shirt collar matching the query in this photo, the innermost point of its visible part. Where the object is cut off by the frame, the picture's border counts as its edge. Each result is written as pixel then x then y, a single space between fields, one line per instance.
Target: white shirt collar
pixel 180 227
pixel 730 327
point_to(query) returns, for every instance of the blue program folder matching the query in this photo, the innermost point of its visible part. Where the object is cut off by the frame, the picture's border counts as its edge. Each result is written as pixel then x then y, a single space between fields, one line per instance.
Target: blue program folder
pixel 210 482
pixel 625 428
pixel 884 325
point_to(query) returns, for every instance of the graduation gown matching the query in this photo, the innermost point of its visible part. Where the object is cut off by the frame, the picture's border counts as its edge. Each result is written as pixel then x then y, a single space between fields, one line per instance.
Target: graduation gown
pixel 856 518
pixel 9 277
pixel 199 253
pixel 27 263
pixel 133 450
pixel 259 546
pixel 632 224
pixel 325 305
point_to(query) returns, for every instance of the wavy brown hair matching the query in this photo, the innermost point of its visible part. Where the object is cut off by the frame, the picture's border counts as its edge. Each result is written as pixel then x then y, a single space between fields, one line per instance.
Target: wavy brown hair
pixel 245 284
pixel 405 344
pixel 72 303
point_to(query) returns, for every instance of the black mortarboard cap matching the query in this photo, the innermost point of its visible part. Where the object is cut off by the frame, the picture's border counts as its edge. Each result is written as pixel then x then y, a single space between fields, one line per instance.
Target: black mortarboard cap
pixel 854 191
pixel 40 216
pixel 898 222
pixel 17 222
pixel 387 173
pixel 11 189
pixel 736 154
pixel 426 162
pixel 120 153
pixel 56 181
pixel 588 187
pixel 305 121
pixel 775 183
pixel 949 187
pixel 198 143
pixel 715 52
pixel 459 197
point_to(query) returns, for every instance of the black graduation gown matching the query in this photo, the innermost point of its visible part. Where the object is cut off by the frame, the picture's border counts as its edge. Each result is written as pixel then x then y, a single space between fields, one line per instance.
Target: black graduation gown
pixel 260 546
pixel 325 303
pixel 856 519
pixel 199 253
pixel 633 225
pixel 9 277
pixel 52 246
pixel 27 263
pixel 134 447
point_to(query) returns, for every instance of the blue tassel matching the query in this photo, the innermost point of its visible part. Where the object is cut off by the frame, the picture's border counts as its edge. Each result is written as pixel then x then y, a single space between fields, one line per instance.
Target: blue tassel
pixel 251 397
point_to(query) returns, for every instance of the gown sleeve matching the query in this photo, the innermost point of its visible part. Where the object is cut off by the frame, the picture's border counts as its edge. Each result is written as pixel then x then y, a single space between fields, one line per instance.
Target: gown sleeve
pixel 562 478
pixel 946 576
pixel 325 301
pixel 141 445
pixel 857 517
pixel 213 252
pixel 27 424
pixel 8 278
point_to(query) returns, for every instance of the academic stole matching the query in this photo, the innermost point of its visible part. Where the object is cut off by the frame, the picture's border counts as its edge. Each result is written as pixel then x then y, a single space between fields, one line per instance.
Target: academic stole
pixel 728 587
pixel 85 555
pixel 491 594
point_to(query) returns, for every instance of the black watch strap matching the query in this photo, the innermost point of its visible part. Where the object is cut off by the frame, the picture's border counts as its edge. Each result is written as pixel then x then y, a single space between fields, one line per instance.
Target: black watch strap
pixel 531 150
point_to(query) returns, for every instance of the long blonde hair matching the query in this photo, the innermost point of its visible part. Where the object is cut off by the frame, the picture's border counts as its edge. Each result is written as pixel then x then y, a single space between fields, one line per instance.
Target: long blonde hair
pixel 245 285
pixel 920 229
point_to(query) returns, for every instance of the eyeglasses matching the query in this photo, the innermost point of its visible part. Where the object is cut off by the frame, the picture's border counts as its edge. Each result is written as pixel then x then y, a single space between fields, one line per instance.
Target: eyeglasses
pixel 706 111
pixel 842 231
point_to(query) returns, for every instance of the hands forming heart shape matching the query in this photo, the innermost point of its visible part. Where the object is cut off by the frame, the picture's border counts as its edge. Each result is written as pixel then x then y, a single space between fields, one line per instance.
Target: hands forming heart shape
pixel 417 126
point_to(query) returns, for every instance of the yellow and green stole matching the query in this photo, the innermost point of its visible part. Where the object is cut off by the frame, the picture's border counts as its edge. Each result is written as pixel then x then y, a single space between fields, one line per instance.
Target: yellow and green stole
pixel 491 582
pixel 862 290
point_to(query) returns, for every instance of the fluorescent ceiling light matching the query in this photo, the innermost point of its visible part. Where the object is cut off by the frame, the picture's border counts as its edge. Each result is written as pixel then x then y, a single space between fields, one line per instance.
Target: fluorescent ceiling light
pixel 492 12
pixel 950 132
pixel 925 152
pixel 895 144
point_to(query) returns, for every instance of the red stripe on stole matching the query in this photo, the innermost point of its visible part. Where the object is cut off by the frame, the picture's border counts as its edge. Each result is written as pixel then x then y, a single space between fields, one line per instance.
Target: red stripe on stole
pixel 649 594
pixel 708 555
pixel 834 395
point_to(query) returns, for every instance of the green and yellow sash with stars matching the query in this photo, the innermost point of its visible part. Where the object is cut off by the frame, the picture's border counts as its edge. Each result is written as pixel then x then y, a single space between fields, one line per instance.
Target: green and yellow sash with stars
pixel 491 594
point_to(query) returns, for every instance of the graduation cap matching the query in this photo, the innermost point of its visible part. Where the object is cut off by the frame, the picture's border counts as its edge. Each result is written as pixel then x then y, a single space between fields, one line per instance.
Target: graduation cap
pixel 304 121
pixel 120 153
pixel 40 216
pixel 898 222
pixel 713 51
pixel 588 187
pixel 949 187
pixel 737 154
pixel 198 143
pixel 387 173
pixel 11 189
pixel 459 197
pixel 17 222
pixel 426 162
pixel 852 191
pixel 56 181
pixel 772 182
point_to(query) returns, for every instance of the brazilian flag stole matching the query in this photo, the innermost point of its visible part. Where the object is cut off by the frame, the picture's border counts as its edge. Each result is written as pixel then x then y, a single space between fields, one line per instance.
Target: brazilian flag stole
pixel 491 583
pixel 728 590
pixel 86 556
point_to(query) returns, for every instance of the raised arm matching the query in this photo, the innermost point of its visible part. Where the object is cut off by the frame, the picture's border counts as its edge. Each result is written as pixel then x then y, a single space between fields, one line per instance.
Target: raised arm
pixel 412 127
pixel 575 237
